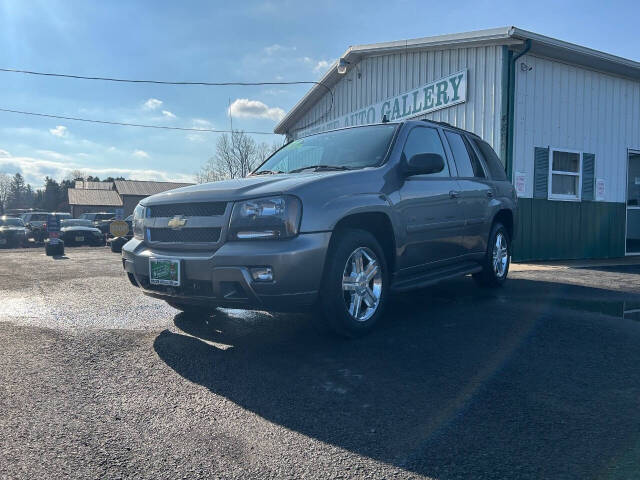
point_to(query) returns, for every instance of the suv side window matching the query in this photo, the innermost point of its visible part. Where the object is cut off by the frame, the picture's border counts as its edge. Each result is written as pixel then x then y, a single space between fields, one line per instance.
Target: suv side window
pixel 426 140
pixel 496 169
pixel 468 164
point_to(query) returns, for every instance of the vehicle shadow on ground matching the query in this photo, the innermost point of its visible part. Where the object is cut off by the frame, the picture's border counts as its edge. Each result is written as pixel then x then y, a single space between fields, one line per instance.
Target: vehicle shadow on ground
pixel 456 382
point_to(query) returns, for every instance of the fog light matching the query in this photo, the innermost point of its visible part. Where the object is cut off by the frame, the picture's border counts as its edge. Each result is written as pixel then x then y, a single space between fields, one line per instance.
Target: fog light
pixel 262 274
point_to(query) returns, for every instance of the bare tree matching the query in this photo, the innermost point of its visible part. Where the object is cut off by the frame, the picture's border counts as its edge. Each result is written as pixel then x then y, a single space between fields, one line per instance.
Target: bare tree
pixel 76 175
pixel 264 150
pixel 5 185
pixel 235 157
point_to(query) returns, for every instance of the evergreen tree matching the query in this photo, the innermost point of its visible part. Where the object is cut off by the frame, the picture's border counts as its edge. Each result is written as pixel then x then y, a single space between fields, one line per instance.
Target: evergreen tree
pixel 51 194
pixel 17 190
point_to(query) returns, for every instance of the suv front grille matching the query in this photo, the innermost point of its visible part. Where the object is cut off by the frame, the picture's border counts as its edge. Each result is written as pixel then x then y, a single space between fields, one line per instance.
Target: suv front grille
pixel 201 209
pixel 188 235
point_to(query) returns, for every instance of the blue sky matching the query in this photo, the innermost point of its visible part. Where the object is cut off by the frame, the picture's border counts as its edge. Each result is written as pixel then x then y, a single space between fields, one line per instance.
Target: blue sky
pixel 216 41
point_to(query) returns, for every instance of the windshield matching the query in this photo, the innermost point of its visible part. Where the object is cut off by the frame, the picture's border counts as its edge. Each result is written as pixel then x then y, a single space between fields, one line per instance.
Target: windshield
pixel 350 148
pixel 76 222
pixel 38 217
pixel 11 222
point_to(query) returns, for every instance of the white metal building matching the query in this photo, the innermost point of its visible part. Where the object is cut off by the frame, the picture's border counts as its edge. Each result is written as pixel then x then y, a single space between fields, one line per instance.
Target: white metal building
pixel 565 120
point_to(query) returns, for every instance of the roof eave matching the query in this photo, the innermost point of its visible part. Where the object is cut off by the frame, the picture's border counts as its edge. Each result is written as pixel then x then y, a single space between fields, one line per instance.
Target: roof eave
pixel 541 45
pixel 579 55
pixel 355 53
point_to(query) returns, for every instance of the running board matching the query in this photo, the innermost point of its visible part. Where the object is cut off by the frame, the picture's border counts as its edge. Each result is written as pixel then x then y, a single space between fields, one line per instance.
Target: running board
pixel 435 276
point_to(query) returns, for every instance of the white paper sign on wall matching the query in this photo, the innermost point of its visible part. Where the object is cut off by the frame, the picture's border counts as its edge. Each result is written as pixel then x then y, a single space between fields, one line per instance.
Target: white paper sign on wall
pixel 600 189
pixel 521 183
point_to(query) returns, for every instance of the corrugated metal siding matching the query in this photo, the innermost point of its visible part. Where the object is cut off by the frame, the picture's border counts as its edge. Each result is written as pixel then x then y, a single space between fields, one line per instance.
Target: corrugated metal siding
pixel 550 230
pixel 385 76
pixel 565 106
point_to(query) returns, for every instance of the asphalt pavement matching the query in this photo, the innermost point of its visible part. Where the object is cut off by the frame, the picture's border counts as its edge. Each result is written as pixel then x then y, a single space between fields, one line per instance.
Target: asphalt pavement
pixel 539 379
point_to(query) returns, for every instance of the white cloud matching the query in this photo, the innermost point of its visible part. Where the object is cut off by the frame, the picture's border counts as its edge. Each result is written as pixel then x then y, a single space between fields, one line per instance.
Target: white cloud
pixel 201 123
pixel 140 154
pixel 4 154
pixel 322 66
pixel 53 155
pixel 275 48
pixel 35 169
pixel 168 114
pixel 59 131
pixel 317 66
pixel 195 137
pixel 243 107
pixel 152 104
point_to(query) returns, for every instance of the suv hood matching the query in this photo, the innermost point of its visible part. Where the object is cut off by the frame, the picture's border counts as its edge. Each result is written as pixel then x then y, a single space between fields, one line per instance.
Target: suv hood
pixel 239 189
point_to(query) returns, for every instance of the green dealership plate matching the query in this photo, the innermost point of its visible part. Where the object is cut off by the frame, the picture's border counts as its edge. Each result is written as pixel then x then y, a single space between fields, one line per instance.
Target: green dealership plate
pixel 164 271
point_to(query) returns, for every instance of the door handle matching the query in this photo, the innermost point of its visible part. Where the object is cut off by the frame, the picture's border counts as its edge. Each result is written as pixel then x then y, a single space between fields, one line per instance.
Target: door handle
pixel 454 194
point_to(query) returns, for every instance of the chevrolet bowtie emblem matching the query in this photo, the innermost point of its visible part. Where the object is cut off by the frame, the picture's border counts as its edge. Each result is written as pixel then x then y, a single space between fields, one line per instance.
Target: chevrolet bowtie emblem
pixel 177 222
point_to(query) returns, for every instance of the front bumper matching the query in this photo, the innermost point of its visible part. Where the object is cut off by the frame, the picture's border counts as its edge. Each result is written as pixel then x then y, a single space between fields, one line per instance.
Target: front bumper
pixel 222 277
pixel 12 240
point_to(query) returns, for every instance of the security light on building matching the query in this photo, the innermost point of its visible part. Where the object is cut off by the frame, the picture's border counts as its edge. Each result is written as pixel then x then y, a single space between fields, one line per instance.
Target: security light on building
pixel 565 120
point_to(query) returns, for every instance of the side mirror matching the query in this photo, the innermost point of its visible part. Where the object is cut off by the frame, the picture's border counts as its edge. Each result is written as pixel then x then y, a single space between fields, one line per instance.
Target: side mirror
pixel 425 163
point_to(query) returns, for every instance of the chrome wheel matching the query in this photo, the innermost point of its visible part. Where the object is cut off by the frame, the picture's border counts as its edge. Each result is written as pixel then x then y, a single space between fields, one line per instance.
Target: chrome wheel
pixel 362 284
pixel 500 255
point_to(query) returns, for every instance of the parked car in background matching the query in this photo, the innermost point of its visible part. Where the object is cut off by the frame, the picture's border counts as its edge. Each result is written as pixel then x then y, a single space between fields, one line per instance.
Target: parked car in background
pixel 36 223
pixel 100 220
pixel 13 233
pixel 333 222
pixel 78 231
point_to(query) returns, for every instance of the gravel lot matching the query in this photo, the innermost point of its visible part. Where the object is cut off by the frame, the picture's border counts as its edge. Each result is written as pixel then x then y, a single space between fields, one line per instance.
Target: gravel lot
pixel 539 379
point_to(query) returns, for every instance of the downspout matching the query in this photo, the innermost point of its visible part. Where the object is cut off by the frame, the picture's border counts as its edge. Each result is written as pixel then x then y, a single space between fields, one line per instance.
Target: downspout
pixel 511 95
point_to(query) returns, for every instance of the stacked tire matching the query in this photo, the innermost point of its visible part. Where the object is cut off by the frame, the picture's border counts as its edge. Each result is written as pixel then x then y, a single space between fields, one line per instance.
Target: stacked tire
pixel 54 249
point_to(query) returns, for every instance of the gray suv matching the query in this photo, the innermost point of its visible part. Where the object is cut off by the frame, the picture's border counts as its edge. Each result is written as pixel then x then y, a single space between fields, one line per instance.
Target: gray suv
pixel 337 221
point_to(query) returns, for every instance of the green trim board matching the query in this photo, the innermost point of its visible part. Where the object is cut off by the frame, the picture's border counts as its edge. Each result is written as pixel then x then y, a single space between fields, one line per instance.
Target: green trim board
pixel 557 230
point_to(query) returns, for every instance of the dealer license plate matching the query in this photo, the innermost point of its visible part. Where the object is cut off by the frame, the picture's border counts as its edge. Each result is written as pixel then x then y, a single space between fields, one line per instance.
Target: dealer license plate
pixel 79 239
pixel 164 271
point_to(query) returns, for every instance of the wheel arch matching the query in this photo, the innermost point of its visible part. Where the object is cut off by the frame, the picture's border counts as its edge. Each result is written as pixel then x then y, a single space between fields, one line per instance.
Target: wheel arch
pixel 375 222
pixel 505 217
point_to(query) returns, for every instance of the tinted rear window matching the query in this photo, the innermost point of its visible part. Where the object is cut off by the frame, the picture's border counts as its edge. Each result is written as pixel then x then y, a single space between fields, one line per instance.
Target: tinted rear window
pixel 496 169
pixel 468 166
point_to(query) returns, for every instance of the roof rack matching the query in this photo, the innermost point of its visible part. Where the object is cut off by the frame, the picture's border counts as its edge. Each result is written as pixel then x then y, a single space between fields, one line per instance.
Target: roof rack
pixel 446 124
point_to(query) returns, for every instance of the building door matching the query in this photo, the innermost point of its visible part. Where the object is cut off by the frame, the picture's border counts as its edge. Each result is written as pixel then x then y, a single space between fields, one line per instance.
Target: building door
pixel 633 204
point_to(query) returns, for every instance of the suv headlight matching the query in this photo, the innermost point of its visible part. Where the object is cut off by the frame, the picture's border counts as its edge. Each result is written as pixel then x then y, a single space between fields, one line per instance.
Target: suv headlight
pixel 265 218
pixel 138 222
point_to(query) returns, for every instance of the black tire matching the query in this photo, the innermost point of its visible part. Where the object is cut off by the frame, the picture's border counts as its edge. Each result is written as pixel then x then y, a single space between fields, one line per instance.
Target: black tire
pixel 333 299
pixel 190 309
pixel 54 250
pixel 117 244
pixel 489 276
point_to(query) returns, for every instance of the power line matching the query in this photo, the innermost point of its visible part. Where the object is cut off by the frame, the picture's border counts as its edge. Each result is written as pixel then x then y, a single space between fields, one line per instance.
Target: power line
pixel 124 124
pixel 164 82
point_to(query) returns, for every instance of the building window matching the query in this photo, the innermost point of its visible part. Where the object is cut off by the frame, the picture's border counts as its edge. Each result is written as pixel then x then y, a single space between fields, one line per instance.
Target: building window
pixel 565 174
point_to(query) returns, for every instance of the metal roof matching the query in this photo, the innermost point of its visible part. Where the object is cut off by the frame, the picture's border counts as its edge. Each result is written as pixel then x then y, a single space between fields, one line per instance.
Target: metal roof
pixel 540 44
pixel 143 188
pixel 94 185
pixel 82 196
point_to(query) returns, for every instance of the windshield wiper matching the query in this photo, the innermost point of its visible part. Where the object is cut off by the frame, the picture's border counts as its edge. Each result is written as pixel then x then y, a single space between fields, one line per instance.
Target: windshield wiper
pixel 267 172
pixel 319 168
